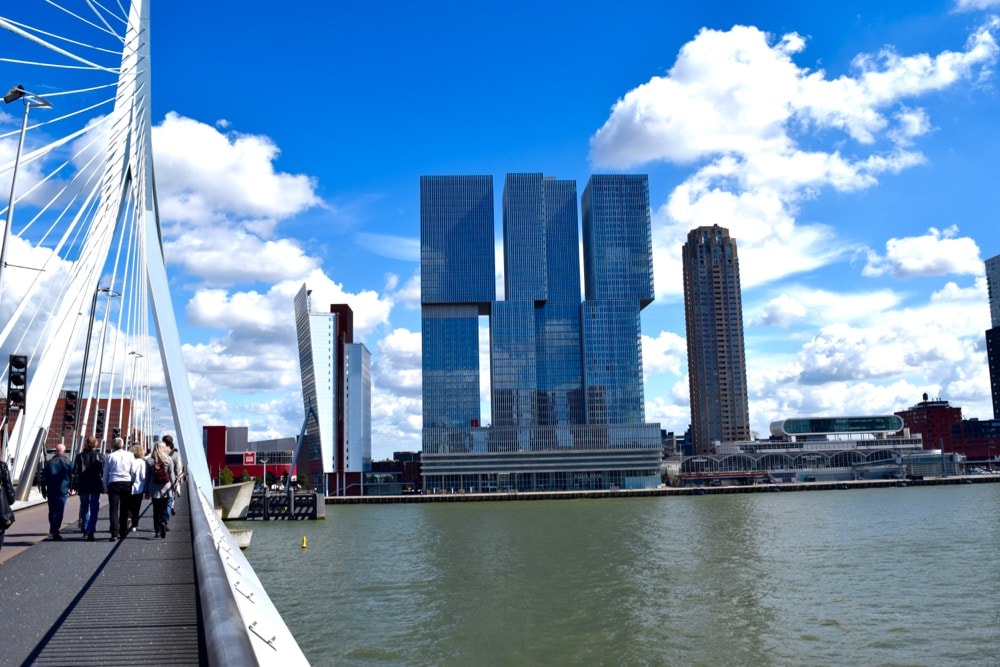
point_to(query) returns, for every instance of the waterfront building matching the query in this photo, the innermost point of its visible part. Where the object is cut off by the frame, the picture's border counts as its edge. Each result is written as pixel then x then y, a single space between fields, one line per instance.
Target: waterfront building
pixel 933 420
pixel 713 312
pixel 336 393
pixel 230 447
pixel 566 377
pixel 103 418
pixel 818 449
pixel 993 334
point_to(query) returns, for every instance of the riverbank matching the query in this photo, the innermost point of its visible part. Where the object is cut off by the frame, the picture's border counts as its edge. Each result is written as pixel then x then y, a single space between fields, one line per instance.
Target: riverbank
pixel 460 497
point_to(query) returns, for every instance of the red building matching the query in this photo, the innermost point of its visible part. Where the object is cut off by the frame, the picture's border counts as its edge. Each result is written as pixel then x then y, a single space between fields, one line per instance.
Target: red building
pixel 932 420
pixel 229 447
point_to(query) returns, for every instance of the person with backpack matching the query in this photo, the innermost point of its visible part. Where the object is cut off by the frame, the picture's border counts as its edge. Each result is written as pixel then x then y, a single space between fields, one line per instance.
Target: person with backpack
pixel 161 476
pixel 88 474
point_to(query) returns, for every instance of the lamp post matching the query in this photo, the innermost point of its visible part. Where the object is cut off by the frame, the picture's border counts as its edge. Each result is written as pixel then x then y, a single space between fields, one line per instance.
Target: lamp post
pixel 31 101
pixel 83 371
pixel 131 393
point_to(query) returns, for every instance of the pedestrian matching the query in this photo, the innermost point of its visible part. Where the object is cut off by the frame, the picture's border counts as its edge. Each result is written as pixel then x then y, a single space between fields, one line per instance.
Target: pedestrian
pixel 88 482
pixel 162 477
pixel 118 486
pixel 168 440
pixel 138 486
pixel 57 474
pixel 7 492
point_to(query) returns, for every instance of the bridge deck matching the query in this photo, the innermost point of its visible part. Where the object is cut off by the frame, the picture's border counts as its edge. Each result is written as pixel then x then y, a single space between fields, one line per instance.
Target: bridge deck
pixel 129 602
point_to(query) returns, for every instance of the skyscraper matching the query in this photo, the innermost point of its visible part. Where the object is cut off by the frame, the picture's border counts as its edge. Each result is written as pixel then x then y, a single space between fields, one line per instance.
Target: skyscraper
pixel 713 312
pixel 336 392
pixel 993 333
pixel 566 377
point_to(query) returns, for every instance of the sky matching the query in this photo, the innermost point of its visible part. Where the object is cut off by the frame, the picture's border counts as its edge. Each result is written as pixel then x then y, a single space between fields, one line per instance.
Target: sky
pixel 850 148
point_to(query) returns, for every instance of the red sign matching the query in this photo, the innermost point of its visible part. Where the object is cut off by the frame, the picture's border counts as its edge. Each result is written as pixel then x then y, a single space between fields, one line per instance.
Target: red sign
pixel 249 458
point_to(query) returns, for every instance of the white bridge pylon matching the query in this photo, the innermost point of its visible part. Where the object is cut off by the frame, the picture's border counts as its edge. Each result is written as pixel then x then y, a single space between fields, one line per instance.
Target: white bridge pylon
pixel 103 237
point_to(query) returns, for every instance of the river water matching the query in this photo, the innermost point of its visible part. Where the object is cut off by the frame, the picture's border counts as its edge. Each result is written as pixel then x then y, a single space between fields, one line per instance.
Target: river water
pixel 902 576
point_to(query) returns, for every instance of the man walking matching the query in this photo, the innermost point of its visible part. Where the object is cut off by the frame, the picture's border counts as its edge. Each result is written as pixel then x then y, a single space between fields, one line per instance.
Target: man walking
pixel 56 475
pixel 118 485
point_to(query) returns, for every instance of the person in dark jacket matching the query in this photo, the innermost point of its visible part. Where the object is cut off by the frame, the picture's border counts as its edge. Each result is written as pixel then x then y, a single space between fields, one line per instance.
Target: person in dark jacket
pixel 159 490
pixel 88 474
pixel 56 476
pixel 7 490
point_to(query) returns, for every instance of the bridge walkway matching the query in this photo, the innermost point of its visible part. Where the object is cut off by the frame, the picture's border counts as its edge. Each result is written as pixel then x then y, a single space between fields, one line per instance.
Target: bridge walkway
pixel 129 602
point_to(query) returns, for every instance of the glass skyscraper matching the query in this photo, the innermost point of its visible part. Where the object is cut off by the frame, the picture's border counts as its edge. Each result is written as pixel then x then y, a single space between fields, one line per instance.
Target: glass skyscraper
pixel 713 312
pixel 337 397
pixel 566 376
pixel 993 333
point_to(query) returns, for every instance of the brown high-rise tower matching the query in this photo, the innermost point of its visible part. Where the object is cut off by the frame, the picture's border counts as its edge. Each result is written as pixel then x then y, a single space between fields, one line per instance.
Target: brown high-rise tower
pixel 713 310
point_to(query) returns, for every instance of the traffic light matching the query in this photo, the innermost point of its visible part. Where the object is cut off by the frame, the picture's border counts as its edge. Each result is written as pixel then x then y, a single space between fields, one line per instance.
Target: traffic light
pixel 17 381
pixel 116 432
pixel 99 423
pixel 69 410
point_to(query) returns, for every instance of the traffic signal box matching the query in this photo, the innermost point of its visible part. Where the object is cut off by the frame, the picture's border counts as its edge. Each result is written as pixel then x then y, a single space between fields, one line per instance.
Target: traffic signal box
pixel 17 382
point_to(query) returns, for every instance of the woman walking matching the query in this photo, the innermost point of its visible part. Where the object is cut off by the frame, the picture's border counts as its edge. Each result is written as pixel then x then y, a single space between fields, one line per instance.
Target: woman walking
pixel 161 476
pixel 88 475
pixel 139 482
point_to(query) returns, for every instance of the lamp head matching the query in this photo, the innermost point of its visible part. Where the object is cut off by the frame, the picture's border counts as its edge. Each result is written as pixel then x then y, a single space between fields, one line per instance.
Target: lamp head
pixel 14 94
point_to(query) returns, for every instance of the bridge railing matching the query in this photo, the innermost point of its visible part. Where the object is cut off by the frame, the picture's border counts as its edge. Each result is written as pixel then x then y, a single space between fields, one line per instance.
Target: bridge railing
pixel 242 625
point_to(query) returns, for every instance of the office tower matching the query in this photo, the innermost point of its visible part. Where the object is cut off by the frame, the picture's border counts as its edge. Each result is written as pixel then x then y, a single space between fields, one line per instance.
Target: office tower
pixel 618 274
pixel 336 394
pixel 550 428
pixel 993 334
pixel 716 359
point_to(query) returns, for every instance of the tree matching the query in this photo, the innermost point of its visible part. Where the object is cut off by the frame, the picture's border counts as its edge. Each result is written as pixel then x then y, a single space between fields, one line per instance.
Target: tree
pixel 244 476
pixel 225 476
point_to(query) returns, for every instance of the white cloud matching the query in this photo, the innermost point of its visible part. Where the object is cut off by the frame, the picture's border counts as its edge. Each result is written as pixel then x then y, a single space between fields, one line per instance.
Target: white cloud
pixel 665 353
pixel 394 247
pixel 936 253
pixel 737 107
pixel 973 5
pixel 222 254
pixel 203 175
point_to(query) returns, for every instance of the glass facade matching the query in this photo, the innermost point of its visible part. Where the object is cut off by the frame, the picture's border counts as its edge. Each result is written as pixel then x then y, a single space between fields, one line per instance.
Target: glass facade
pixel 543 341
pixel 617 241
pixel 713 312
pixel 336 391
pixel 833 425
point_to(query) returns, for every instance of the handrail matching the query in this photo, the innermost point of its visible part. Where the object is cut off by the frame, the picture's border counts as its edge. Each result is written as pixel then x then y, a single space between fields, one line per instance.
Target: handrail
pixel 226 640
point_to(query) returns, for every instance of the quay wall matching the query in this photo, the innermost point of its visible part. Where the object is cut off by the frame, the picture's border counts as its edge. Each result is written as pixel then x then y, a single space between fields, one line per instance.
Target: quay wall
pixel 659 491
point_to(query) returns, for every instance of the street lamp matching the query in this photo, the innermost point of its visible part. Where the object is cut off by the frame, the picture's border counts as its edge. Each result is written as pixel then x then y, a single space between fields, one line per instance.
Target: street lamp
pixel 83 371
pixel 31 101
pixel 263 460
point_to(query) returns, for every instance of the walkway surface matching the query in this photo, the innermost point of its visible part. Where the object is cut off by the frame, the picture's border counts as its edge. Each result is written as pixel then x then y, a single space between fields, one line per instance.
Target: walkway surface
pixel 74 602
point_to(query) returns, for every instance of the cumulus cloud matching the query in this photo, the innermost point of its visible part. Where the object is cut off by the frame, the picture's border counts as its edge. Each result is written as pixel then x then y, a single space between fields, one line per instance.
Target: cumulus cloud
pixel 665 353
pixel 974 5
pixel 796 303
pixel 203 175
pixel 752 123
pixel 936 253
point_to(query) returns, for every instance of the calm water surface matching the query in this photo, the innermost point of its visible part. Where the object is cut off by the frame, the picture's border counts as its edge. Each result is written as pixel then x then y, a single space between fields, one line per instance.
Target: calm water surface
pixel 901 576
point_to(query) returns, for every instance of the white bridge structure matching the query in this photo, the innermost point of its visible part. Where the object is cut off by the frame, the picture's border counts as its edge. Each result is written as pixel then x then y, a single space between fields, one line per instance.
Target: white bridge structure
pixel 84 294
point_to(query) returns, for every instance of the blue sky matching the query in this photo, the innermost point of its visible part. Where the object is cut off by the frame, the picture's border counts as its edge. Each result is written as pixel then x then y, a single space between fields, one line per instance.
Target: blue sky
pixel 849 147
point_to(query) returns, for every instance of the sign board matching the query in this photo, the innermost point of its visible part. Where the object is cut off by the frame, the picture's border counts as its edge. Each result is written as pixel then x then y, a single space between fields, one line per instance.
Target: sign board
pixel 249 458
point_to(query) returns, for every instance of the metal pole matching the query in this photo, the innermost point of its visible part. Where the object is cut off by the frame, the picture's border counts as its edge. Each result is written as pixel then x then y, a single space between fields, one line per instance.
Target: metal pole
pixel 13 183
pixel 78 433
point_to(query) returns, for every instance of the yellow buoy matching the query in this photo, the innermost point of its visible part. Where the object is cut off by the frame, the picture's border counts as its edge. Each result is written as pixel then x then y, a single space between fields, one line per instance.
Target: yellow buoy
pixel 304 542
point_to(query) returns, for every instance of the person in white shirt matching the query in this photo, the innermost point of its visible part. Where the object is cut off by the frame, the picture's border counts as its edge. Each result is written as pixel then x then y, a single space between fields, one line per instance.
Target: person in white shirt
pixel 118 486
pixel 138 485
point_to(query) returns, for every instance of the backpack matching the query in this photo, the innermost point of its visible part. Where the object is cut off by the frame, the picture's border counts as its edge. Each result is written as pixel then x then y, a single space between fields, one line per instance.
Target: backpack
pixel 161 474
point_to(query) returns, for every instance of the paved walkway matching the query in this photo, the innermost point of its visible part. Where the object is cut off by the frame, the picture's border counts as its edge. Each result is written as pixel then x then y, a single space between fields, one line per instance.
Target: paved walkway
pixel 75 602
